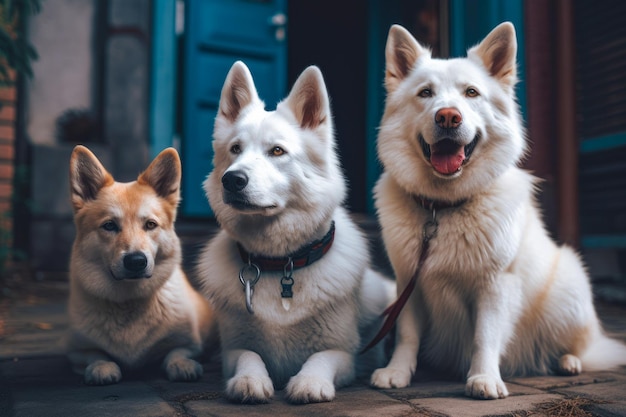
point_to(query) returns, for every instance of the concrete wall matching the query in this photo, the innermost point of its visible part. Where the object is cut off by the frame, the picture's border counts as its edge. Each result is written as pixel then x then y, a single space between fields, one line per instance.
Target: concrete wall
pixel 63 36
pixel 127 75
pixel 75 71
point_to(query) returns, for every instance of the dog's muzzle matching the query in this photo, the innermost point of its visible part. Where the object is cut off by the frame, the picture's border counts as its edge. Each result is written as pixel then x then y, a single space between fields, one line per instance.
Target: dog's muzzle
pixel 235 194
pixel 234 181
pixel 448 153
pixel 135 264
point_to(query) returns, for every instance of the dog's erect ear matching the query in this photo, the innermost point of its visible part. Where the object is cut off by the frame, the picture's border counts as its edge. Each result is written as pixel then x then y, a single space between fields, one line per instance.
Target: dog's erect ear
pixel 87 176
pixel 497 53
pixel 238 91
pixel 401 53
pixel 308 99
pixel 163 175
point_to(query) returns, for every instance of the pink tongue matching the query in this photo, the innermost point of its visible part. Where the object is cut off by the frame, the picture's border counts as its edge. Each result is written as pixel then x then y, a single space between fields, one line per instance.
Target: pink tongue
pixel 447 163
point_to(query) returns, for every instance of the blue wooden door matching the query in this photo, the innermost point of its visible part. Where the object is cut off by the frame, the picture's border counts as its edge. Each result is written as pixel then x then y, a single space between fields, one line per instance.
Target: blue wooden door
pixel 217 33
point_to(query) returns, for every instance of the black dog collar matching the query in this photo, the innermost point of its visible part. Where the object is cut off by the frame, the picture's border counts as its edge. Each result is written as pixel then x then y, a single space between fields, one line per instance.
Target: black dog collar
pixel 303 257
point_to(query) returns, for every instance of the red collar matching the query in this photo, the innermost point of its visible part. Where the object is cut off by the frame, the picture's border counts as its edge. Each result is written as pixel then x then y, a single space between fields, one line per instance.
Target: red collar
pixel 303 257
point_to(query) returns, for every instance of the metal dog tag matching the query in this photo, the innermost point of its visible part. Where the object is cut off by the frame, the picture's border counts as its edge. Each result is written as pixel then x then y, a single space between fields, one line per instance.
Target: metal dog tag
pixel 286 283
pixel 248 284
pixel 286 293
pixel 248 289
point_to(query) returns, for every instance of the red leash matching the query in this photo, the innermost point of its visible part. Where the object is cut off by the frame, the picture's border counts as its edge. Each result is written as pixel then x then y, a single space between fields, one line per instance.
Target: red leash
pixel 393 311
pixel 429 231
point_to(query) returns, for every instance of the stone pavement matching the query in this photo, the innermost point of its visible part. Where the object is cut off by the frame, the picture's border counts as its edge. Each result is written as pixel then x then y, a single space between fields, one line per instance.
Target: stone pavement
pixel 35 380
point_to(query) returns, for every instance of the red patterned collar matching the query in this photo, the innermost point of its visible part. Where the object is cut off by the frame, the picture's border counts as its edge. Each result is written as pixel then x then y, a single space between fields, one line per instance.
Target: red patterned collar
pixel 303 257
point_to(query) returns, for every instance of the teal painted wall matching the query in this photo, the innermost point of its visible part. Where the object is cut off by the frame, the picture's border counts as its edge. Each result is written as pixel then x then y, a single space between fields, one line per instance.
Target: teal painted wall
pixel 472 20
pixel 163 77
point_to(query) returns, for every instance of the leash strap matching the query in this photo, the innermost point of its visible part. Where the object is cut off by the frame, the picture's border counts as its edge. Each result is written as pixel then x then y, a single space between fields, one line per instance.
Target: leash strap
pixel 393 311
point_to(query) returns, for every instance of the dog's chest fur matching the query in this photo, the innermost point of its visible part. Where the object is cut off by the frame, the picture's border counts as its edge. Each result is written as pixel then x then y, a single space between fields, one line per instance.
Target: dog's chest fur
pixel 475 242
pixel 129 332
pixel 323 313
pixel 285 347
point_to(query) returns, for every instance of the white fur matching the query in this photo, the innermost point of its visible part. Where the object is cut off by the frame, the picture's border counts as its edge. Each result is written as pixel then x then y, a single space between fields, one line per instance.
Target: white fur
pixel 290 200
pixel 496 295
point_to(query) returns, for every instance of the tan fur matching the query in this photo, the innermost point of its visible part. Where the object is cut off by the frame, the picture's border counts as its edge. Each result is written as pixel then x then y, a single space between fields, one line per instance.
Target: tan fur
pixel 130 302
pixel 536 308
pixel 496 296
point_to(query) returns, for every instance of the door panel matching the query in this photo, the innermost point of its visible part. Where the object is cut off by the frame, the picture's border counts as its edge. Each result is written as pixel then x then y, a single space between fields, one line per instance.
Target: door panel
pixel 217 33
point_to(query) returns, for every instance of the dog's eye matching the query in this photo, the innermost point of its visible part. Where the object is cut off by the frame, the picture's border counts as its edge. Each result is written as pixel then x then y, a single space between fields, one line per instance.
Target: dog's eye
pixel 236 148
pixel 110 226
pixel 277 151
pixel 425 93
pixel 151 225
pixel 471 92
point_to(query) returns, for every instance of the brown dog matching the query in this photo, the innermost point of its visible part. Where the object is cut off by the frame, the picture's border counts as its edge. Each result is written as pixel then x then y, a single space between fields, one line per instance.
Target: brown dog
pixel 130 301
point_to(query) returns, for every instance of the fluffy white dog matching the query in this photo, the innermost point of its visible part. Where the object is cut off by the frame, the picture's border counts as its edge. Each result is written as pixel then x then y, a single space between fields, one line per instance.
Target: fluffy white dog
pixel 289 272
pixel 495 295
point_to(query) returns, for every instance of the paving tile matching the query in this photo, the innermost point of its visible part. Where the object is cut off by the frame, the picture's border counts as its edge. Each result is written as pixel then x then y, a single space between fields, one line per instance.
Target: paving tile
pixel 209 386
pixel 467 407
pixel 54 369
pixel 128 399
pixel 608 410
pixel 352 401
pixel 46 386
pixel 611 391
pixel 554 382
pixel 34 329
pixel 428 388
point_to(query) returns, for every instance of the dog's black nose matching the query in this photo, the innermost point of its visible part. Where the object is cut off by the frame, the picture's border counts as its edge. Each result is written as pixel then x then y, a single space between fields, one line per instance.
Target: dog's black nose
pixel 135 262
pixel 234 181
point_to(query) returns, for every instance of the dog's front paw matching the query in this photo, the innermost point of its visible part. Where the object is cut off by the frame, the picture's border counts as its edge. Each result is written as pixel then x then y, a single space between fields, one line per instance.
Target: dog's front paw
pixel 485 387
pixel 391 378
pixel 570 365
pixel 250 389
pixel 183 369
pixel 102 372
pixel 304 389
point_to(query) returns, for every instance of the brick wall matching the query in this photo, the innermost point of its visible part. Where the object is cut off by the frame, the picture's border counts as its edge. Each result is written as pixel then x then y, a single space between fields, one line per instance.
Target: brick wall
pixel 7 151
